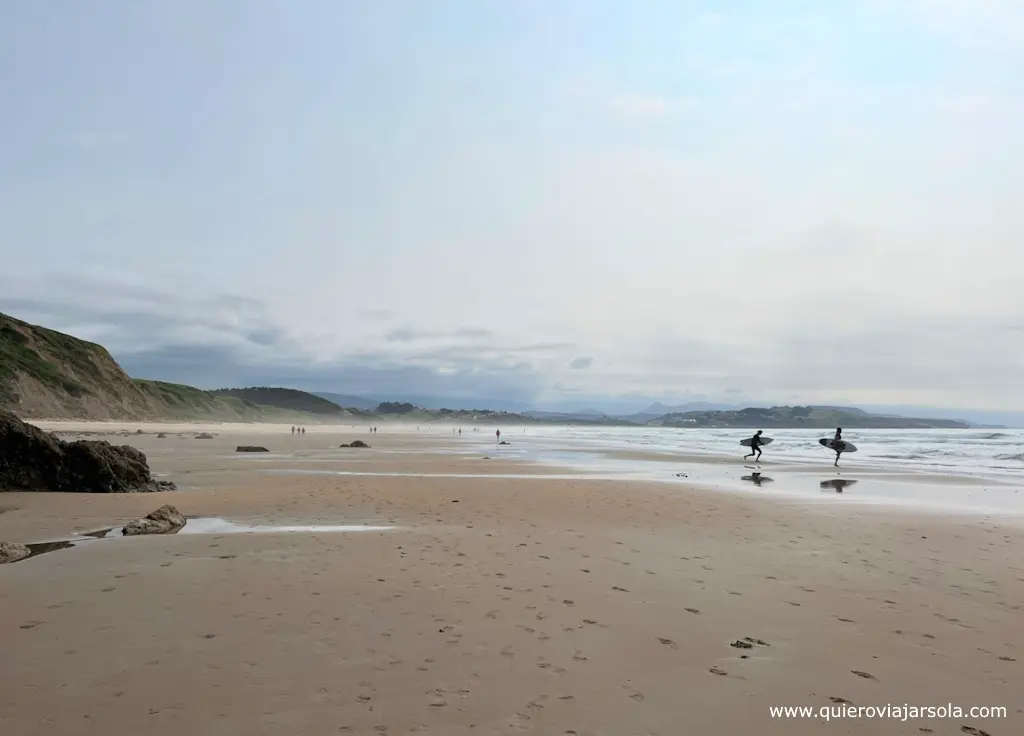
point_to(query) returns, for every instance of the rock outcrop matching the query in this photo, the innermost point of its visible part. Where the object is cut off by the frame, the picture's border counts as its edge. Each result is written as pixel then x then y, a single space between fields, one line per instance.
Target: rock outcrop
pixel 204 436
pixel 356 443
pixel 251 448
pixel 165 520
pixel 33 460
pixel 11 552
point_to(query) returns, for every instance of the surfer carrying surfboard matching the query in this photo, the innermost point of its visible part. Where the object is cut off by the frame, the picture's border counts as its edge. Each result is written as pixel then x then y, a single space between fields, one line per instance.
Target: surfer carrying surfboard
pixel 755 446
pixel 838 445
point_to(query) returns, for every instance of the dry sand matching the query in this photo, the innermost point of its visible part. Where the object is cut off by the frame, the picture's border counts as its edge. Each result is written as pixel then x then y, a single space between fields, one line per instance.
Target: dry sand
pixel 496 606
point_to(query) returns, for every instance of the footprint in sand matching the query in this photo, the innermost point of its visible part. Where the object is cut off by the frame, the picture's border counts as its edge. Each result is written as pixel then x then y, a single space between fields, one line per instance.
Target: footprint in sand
pixel 864 675
pixel 694 611
pixel 668 642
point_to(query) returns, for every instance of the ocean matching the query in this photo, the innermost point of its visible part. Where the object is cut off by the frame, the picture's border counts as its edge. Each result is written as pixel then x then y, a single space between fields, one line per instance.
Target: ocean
pixel 947 470
pixel 996 453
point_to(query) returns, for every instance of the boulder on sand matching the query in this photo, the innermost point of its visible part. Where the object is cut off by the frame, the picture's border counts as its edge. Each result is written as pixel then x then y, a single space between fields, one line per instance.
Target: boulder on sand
pixel 11 552
pixel 356 443
pixel 165 520
pixel 33 460
pixel 204 436
pixel 251 448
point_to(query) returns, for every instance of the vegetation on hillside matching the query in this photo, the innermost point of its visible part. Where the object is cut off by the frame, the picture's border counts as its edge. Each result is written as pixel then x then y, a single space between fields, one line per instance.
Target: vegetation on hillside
pixel 395 407
pixel 48 374
pixel 795 417
pixel 54 359
pixel 282 398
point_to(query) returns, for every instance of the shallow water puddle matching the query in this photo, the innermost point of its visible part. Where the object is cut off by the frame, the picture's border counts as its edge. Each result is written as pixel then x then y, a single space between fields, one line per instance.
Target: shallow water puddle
pixel 204 525
pixel 43 547
pixel 214 525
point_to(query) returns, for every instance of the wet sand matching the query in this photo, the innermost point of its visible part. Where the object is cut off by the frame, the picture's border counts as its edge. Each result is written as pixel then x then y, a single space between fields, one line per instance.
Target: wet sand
pixel 496 605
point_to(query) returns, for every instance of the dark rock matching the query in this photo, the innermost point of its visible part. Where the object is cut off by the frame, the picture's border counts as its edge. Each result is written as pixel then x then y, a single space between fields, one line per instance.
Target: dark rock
pixel 165 520
pixel 204 436
pixel 356 443
pixel 33 460
pixel 11 552
pixel 503 442
pixel 251 448
pixel 161 435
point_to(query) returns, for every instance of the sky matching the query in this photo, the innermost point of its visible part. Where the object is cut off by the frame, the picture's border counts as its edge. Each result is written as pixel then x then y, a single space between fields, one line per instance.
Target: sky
pixel 550 203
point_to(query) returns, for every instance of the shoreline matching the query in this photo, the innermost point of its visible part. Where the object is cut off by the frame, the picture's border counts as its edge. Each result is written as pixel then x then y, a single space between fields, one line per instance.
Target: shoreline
pixel 902 490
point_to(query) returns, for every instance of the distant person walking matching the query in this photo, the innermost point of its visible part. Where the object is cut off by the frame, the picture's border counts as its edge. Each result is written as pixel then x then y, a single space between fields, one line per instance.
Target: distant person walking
pixel 293 431
pixel 497 436
pixel 755 446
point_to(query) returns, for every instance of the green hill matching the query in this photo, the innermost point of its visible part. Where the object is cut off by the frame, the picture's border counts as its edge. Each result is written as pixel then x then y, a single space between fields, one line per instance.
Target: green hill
pixel 45 374
pixel 282 398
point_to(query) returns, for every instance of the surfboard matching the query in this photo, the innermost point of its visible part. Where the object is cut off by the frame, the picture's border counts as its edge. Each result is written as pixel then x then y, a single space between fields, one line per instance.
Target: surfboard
pixel 831 444
pixel 764 441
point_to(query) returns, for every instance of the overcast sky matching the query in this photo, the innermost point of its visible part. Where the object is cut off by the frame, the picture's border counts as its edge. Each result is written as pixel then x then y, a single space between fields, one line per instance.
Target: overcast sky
pixel 541 200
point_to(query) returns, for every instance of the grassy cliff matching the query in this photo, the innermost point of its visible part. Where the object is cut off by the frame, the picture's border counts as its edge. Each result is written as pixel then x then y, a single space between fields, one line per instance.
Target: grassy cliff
pixel 46 374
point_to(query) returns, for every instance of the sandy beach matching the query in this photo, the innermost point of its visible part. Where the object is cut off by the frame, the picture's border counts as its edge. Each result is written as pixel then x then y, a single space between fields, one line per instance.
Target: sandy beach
pixel 493 605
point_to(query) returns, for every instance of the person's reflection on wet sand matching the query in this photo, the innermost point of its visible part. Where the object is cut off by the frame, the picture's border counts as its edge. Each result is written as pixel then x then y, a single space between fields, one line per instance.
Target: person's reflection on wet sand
pixel 836 484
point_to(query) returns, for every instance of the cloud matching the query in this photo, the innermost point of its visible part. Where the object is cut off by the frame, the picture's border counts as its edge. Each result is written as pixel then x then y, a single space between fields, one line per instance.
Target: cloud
pixel 580 363
pixel 401 336
pixel 632 106
pixel 376 315
pixel 409 335
pixel 986 24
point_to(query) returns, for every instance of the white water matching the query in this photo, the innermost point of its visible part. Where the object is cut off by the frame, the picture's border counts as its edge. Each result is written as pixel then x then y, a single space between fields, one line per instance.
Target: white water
pixel 993 453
